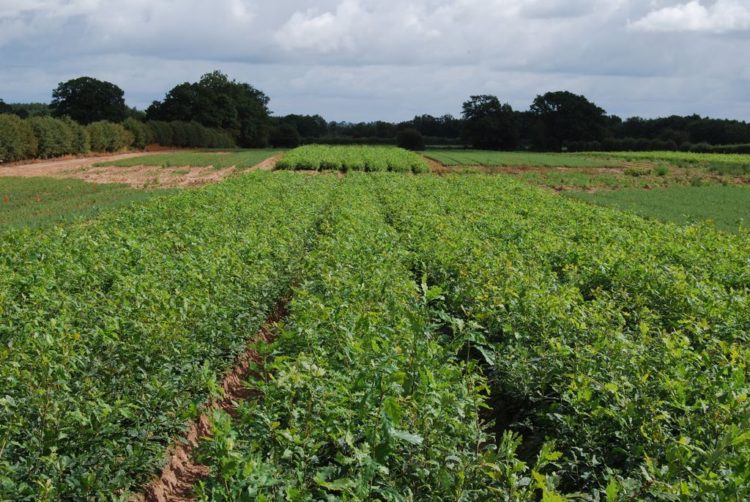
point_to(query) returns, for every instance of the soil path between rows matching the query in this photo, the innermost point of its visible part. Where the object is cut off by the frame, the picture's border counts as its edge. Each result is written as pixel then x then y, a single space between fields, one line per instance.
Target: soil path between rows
pixel 182 471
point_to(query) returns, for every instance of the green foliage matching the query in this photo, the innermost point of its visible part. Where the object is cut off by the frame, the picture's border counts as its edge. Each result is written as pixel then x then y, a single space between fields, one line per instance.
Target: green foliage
pixel 637 172
pixel 563 116
pixel 219 103
pixel 17 139
pixel 352 158
pixel 110 327
pixel 87 100
pixel 722 163
pixel 363 401
pixel 487 158
pixel 622 339
pixel 55 137
pixel 108 137
pixel 410 139
pixel 728 207
pixel 284 136
pixel 142 135
pixel 81 140
pixel 38 201
pixel 489 124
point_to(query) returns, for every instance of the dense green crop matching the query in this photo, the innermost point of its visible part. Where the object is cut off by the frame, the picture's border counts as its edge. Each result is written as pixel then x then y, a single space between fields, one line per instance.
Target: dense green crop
pixel 491 158
pixel 113 331
pixel 725 163
pixel 353 158
pixel 623 340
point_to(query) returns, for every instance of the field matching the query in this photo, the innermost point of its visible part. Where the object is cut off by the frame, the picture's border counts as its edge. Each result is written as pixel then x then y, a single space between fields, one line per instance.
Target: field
pixel 728 207
pixel 352 158
pixel 241 159
pixel 377 336
pixel 736 164
pixel 511 159
pixel 37 201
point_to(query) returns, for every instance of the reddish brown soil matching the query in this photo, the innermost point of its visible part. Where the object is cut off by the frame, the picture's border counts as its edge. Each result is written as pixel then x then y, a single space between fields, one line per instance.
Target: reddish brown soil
pixel 175 484
pixel 57 167
pixel 268 164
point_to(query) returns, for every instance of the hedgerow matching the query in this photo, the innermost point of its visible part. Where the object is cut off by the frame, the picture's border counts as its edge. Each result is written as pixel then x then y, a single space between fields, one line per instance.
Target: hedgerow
pixel 55 137
pixel 17 139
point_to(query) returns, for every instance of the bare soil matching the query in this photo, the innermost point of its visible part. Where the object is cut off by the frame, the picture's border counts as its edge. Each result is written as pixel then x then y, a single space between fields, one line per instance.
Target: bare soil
pixel 82 168
pixel 182 471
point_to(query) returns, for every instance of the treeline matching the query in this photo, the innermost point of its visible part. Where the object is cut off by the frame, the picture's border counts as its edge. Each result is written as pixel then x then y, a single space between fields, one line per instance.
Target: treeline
pixel 44 137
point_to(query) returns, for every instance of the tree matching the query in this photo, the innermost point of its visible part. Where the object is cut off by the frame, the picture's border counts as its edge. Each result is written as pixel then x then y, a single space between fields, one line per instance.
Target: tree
pixel 285 136
pixel 411 139
pixel 5 108
pixel 489 124
pixel 217 102
pixel 564 116
pixel 87 100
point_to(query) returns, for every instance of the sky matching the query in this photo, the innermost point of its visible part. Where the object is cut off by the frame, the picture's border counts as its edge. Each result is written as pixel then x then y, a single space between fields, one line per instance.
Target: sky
pixel 361 60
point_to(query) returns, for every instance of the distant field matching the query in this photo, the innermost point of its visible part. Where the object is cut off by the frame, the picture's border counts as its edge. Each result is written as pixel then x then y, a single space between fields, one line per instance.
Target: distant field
pixel 352 158
pixel 727 206
pixel 491 158
pixel 241 159
pixel 717 162
pixel 28 202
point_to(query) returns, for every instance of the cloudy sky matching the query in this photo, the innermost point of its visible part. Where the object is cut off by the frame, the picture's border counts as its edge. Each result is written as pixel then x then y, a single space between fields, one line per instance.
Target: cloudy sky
pixel 392 59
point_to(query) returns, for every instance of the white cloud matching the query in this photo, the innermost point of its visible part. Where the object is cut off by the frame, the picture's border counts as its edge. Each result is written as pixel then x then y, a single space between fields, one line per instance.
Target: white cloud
pixel 720 17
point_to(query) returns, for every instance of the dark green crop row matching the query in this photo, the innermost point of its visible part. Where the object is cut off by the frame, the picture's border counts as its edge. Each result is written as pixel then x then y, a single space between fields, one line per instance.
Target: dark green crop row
pixel 113 331
pixel 624 341
pixel 353 158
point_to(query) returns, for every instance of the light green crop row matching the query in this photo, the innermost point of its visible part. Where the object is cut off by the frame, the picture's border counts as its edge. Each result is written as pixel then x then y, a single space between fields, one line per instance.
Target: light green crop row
pixel 622 340
pixel 353 158
pixel 113 331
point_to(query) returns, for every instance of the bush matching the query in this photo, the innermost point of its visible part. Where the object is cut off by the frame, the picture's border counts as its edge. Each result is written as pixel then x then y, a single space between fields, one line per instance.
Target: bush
pixel 661 171
pixel 81 140
pixel 410 139
pixel 54 137
pixel 142 135
pixel 108 137
pixel 17 139
pixel 285 136
pixel 637 172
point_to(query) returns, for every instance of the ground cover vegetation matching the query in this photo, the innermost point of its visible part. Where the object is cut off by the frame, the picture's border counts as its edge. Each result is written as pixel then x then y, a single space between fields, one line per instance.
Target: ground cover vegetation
pixel 114 330
pixel 38 201
pixel 447 338
pixel 728 207
pixel 621 339
pixel 352 158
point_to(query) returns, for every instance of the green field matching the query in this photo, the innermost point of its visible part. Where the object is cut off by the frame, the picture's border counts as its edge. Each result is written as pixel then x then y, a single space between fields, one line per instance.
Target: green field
pixel 443 338
pixel 352 158
pixel 490 158
pixel 738 164
pixel 241 159
pixel 727 206
pixel 37 201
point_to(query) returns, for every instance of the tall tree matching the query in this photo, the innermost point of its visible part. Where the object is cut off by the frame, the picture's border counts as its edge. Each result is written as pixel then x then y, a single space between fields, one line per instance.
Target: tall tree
pixel 5 108
pixel 218 102
pixel 489 124
pixel 88 100
pixel 564 116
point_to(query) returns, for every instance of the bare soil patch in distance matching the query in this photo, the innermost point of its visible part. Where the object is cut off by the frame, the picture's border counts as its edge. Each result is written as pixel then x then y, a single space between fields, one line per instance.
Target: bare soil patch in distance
pixel 55 167
pixel 268 164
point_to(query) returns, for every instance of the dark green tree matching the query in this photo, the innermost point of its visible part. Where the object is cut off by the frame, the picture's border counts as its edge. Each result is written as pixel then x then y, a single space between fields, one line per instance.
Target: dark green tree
pixel 563 117
pixel 285 136
pixel 489 124
pixel 5 108
pixel 218 102
pixel 87 100
pixel 411 139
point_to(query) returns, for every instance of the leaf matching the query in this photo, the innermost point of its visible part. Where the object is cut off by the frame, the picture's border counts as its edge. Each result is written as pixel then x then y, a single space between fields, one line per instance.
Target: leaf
pixel 414 439
pixel 612 490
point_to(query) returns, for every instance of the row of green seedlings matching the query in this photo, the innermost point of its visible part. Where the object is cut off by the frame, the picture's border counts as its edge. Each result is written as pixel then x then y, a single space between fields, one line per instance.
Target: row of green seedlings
pixel 113 331
pixel 362 398
pixel 622 340
pixel 353 158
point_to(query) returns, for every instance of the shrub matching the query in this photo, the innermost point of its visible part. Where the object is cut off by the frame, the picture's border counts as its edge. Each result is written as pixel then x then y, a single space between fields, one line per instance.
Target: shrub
pixel 17 139
pixel 108 137
pixel 161 132
pixel 410 139
pixel 142 135
pixel 637 171
pixel 54 137
pixel 661 171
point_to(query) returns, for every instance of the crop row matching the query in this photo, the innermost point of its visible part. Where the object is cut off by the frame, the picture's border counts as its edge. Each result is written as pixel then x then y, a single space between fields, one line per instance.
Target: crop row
pixel 624 341
pixel 352 158
pixel 113 331
pixel 364 399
